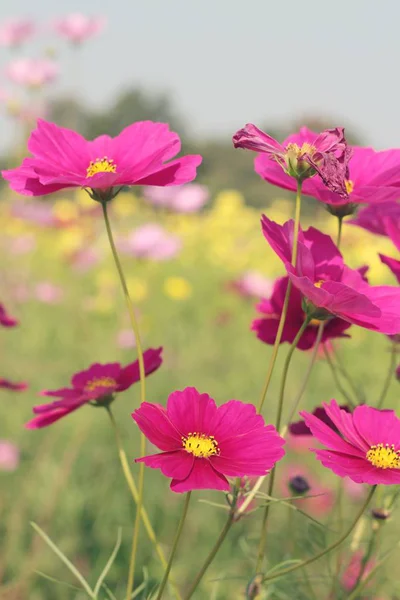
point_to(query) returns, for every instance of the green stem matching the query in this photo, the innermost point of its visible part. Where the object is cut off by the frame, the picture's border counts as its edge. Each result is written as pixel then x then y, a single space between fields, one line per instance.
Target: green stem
pixel 174 546
pixel 135 328
pixel 339 234
pixel 134 492
pixel 333 546
pixel 212 555
pixel 282 320
pixel 364 562
pixel 264 527
pixel 356 389
pixel 336 378
pixel 389 376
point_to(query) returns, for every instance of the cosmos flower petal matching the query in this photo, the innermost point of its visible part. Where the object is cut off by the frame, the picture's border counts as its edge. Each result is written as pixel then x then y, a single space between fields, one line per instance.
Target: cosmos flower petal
pixel 157 426
pixel 202 477
pixel 178 464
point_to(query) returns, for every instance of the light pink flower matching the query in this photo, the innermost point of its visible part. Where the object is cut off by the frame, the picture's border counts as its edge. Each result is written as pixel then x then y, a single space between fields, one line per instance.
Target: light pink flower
pixel 187 198
pixel 151 241
pixel 9 456
pixel 77 27
pixel 14 32
pixel 252 284
pixel 48 293
pixel 352 572
pixel 126 339
pixel 32 72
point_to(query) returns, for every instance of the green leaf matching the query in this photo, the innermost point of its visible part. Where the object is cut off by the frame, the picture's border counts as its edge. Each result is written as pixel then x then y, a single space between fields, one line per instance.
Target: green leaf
pixel 109 563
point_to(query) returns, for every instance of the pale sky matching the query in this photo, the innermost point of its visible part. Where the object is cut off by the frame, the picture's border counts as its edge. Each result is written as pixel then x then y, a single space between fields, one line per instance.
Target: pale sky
pixel 228 62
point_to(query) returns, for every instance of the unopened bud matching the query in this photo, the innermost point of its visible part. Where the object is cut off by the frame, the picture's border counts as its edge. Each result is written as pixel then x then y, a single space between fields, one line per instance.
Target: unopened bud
pixel 299 485
pixel 380 514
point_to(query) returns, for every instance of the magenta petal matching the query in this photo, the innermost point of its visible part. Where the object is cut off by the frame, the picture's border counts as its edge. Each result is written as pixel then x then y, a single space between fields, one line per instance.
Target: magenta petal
pixel 182 170
pixel 131 373
pixel 253 138
pixel 50 417
pixel 177 464
pixel 393 264
pixel 201 477
pixel 156 425
pixel 191 411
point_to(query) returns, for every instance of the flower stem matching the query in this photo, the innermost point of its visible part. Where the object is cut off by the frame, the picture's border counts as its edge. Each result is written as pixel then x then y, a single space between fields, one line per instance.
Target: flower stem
pixel 336 378
pixel 389 376
pixel 264 527
pixel 134 492
pixel 339 234
pixel 135 327
pixel 357 389
pixel 333 546
pixel 282 320
pixel 212 554
pixel 365 559
pixel 174 546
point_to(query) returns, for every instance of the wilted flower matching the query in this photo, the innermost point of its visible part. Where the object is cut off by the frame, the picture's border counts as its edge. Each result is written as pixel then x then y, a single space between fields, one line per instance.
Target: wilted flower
pixel 32 72
pixel 97 385
pixel 271 309
pixel 366 447
pixel 9 456
pixel 326 154
pixel 202 444
pixel 151 241
pixel 77 27
pixel 187 198
pixel 330 287
pixel 14 32
pixel 64 159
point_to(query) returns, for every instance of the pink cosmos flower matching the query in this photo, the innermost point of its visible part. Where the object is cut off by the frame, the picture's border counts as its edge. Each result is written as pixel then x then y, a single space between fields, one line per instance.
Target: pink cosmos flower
pixel 352 572
pixel 202 444
pixel 252 285
pixel 330 287
pixel 64 159
pixel 9 456
pixel 372 176
pixel 77 27
pixel 298 480
pixel 183 199
pixel 32 72
pixel 6 320
pixel 151 241
pixel 6 384
pixel 48 293
pixel 300 157
pixel 373 217
pixel 367 447
pixel 97 384
pixel 14 32
pixel 266 327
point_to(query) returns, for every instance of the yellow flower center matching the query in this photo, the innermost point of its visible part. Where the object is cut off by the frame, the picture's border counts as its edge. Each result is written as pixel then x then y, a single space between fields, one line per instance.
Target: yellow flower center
pixel 104 382
pixel 101 165
pixel 200 445
pixel 319 283
pixel 349 186
pixel 306 148
pixel 384 456
pixel 315 322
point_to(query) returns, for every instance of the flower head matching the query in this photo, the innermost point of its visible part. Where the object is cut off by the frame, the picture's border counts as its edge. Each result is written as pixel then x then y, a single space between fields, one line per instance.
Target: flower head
pixel 271 309
pixel 367 446
pixel 151 241
pixel 98 384
pixel 329 286
pixel 77 27
pixel 137 156
pixel 326 154
pixel 32 72
pixel 15 31
pixel 202 444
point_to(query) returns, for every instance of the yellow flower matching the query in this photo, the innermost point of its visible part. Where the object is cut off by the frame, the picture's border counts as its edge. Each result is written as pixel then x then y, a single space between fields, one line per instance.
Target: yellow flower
pixel 137 288
pixel 177 288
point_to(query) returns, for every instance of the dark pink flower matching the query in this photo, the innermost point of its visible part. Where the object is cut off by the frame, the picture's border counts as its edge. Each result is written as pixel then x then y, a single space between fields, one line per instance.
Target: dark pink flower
pixel 373 217
pixel 267 326
pixel 372 176
pixel 97 384
pixel 32 72
pixel 300 427
pixel 5 319
pixel 367 447
pixel 330 287
pixel 14 32
pixel 202 444
pixel 137 156
pixel 77 27
pixel 6 384
pixel 352 571
pixel 326 154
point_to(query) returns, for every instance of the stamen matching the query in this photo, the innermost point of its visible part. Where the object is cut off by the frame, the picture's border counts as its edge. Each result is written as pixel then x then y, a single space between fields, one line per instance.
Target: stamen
pixel 100 382
pixel 384 456
pixel 101 165
pixel 349 186
pixel 200 445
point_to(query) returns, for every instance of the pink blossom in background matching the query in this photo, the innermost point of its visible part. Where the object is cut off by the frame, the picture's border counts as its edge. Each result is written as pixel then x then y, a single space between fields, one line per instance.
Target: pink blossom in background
pixel 187 198
pixel 23 244
pixel 373 217
pixel 14 32
pixel 298 480
pixel 48 293
pixel 37 212
pixel 85 259
pixel 392 228
pixel 64 159
pixel 126 339
pixel 151 241
pixel 355 491
pixel 202 444
pixel 367 446
pixel 352 571
pixel 6 384
pixel 9 456
pixel 266 327
pixel 77 27
pixel 300 444
pixel 330 287
pixel 6 320
pixel 301 155
pixel 97 384
pixel 252 284
pixel 32 72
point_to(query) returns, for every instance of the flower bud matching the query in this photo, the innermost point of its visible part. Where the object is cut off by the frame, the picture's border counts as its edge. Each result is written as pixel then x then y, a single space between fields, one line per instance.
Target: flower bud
pixel 299 485
pixel 380 514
